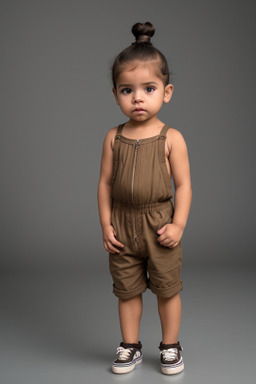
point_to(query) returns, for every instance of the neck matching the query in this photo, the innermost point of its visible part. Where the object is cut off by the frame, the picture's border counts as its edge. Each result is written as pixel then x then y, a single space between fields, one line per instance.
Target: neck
pixel 148 124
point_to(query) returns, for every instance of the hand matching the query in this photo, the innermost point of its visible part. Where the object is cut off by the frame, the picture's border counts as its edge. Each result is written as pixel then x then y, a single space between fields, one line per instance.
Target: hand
pixel 170 235
pixel 109 239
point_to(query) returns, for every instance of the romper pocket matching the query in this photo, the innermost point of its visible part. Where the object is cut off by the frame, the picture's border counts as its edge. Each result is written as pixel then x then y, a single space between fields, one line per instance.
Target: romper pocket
pixel 121 222
pixel 163 216
pixel 114 225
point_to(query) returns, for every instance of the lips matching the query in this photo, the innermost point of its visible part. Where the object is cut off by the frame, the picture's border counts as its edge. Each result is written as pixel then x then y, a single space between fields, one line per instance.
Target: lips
pixel 139 110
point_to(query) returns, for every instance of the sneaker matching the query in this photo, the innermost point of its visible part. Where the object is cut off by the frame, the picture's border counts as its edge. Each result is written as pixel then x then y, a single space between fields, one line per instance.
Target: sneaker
pixel 129 355
pixel 171 359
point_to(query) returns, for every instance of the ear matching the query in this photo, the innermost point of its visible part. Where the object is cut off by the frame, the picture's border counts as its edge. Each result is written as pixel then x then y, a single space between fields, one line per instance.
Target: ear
pixel 168 91
pixel 115 94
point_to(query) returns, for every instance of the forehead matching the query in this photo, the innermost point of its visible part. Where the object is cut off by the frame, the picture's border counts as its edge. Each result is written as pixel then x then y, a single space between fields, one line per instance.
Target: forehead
pixel 139 70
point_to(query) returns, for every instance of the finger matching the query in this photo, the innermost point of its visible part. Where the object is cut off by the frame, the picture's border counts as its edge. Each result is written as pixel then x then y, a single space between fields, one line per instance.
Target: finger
pixel 112 248
pixel 161 238
pixel 165 241
pixel 112 252
pixel 173 245
pixel 169 243
pixel 116 242
pixel 106 247
pixel 111 242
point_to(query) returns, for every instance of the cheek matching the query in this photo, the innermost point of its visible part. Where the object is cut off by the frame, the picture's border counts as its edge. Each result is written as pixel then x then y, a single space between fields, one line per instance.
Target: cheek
pixel 156 102
pixel 124 101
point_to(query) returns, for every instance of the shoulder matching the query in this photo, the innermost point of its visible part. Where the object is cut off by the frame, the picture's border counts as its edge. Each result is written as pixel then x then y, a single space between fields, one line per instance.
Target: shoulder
pixel 110 137
pixel 174 140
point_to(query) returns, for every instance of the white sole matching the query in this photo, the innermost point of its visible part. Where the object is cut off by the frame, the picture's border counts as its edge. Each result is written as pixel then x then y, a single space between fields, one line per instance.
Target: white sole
pixel 172 371
pixel 127 369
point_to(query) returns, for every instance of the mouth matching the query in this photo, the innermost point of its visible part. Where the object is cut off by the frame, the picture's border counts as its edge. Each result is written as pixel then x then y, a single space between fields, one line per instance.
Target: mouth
pixel 139 110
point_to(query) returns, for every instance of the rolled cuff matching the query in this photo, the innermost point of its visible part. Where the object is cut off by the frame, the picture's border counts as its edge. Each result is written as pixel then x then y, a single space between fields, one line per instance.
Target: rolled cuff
pixel 129 294
pixel 166 292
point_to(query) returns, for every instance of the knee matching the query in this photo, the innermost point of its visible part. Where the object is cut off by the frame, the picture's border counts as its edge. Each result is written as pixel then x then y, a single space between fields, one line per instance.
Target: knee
pixel 165 300
pixel 134 299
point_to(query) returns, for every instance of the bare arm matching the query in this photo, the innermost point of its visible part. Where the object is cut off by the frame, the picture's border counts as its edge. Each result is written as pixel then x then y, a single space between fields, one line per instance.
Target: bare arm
pixel 104 187
pixel 105 194
pixel 181 177
pixel 170 234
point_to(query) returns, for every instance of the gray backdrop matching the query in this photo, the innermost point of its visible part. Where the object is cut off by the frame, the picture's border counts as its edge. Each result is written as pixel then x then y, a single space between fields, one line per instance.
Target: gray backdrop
pixel 58 318
pixel 57 105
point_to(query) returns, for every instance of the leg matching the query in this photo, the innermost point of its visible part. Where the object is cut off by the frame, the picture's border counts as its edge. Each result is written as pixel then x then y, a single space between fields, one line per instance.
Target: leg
pixel 130 311
pixel 170 314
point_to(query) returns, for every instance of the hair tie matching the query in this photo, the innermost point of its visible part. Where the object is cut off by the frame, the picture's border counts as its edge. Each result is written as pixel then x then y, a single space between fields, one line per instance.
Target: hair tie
pixel 143 39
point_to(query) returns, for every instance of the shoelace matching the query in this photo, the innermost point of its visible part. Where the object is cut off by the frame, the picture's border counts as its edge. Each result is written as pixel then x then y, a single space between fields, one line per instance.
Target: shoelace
pixel 124 353
pixel 170 354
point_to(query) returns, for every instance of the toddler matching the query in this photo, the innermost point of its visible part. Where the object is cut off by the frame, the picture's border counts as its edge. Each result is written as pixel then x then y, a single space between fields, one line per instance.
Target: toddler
pixel 141 226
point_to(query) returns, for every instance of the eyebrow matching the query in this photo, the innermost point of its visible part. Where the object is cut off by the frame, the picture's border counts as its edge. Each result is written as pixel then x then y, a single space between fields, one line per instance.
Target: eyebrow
pixel 129 85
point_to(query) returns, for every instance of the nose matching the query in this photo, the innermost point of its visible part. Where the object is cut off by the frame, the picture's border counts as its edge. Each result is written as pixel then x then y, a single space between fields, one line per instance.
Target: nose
pixel 137 97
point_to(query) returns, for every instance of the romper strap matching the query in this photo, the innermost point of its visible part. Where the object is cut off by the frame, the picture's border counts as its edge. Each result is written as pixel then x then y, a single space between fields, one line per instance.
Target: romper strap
pixel 161 143
pixel 164 131
pixel 116 152
pixel 119 131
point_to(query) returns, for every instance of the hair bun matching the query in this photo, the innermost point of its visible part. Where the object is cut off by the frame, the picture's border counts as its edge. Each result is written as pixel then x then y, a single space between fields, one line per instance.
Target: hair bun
pixel 143 32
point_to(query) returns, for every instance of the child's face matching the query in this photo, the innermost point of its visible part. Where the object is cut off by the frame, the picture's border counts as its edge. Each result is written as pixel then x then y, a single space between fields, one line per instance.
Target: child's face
pixel 140 93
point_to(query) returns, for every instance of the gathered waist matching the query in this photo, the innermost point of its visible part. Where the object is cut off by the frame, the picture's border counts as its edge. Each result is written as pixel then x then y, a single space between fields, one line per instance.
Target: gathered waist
pixel 141 207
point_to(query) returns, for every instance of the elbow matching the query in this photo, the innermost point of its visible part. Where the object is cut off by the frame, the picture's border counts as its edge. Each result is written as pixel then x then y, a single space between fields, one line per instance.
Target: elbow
pixel 104 183
pixel 186 186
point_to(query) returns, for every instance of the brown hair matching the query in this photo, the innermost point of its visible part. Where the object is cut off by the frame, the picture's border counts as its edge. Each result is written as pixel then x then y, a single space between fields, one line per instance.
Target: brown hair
pixel 141 50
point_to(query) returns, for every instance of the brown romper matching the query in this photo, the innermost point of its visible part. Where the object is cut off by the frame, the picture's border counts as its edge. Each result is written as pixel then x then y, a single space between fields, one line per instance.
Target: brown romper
pixel 141 204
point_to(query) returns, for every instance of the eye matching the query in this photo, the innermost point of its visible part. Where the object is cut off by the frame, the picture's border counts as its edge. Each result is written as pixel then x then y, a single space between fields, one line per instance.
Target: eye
pixel 126 90
pixel 150 89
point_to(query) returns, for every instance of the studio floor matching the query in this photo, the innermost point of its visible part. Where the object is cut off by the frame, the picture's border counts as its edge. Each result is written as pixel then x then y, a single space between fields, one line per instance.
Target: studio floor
pixel 61 327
